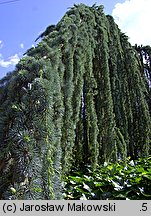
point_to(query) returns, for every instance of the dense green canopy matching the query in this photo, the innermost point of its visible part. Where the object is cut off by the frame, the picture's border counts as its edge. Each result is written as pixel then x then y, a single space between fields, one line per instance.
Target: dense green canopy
pixel 81 97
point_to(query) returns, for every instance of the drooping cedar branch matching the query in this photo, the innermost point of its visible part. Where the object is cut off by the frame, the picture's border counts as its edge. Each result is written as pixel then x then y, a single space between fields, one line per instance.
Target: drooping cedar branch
pixel 81 97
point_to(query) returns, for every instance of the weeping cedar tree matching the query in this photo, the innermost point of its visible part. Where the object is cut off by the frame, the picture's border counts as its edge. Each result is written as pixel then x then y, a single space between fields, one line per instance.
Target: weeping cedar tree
pixel 81 97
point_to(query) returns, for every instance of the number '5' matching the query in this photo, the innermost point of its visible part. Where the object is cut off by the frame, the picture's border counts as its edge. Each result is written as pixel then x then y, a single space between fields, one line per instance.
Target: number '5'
pixel 144 207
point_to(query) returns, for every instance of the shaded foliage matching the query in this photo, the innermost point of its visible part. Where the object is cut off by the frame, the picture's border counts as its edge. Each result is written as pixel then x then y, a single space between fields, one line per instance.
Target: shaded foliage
pixel 129 180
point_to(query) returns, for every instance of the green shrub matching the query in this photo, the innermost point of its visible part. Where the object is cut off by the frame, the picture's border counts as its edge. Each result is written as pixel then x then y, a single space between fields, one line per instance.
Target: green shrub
pixel 123 180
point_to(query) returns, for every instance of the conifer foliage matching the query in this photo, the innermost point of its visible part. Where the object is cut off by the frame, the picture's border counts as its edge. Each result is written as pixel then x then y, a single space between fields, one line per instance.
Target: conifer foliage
pixel 81 97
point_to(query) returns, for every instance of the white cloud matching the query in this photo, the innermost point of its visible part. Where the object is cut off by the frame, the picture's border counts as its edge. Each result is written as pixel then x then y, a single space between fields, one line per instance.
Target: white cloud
pixel 12 60
pixel 1 44
pixel 22 45
pixel 133 18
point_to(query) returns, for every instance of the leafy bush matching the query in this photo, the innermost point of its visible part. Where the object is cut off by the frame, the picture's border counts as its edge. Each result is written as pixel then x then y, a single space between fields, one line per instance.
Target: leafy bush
pixel 114 181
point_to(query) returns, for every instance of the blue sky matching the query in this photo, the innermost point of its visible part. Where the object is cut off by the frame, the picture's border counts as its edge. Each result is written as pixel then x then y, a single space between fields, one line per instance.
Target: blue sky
pixel 22 21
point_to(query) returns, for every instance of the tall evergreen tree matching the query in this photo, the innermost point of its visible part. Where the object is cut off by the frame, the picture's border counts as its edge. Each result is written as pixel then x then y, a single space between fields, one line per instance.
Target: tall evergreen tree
pixel 81 97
